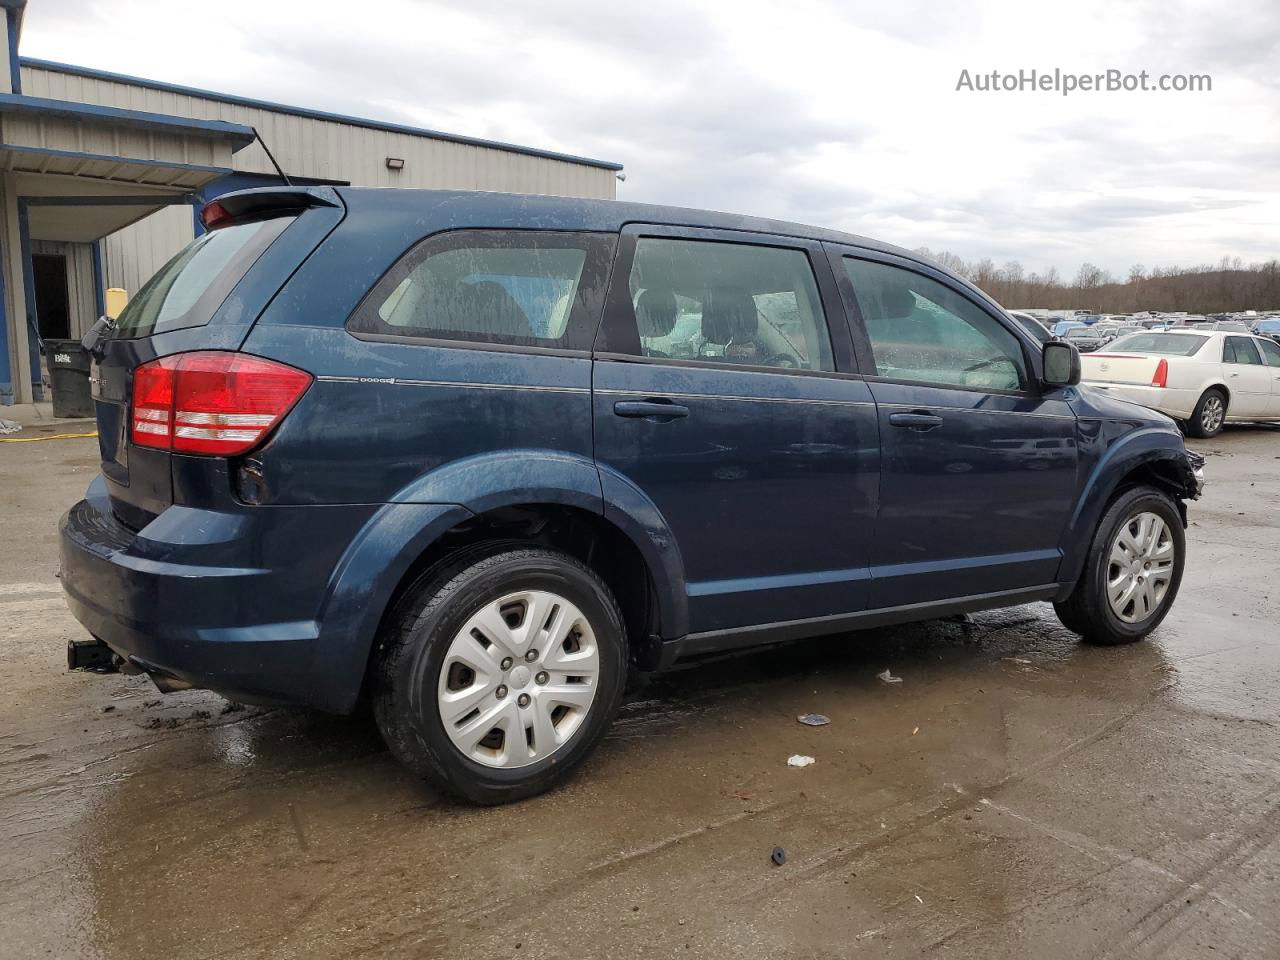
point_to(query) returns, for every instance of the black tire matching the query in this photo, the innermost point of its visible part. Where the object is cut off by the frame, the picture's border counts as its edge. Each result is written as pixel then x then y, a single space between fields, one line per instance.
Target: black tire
pixel 1195 426
pixel 1087 610
pixel 412 652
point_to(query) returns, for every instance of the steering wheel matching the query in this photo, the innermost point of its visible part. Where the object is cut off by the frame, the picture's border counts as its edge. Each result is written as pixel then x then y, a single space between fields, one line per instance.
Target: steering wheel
pixel 984 364
pixel 783 360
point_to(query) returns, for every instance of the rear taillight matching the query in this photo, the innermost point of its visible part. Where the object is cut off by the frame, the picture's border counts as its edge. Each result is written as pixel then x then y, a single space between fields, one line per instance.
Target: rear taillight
pixel 212 402
pixel 1161 379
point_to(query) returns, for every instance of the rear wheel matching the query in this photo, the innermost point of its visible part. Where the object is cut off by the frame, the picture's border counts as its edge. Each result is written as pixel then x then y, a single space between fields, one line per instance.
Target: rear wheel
pixel 499 678
pixel 1209 415
pixel 1132 572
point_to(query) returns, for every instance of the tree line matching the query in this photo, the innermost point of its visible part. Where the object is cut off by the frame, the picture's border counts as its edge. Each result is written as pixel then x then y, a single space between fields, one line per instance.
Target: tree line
pixel 1226 287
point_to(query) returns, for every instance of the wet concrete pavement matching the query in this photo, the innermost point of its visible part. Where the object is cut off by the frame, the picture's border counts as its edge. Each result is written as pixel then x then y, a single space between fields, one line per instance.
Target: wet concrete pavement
pixel 1017 795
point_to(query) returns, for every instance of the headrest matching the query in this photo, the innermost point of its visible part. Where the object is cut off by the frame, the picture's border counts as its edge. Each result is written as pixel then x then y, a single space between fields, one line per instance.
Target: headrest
pixel 896 301
pixel 656 312
pixel 729 316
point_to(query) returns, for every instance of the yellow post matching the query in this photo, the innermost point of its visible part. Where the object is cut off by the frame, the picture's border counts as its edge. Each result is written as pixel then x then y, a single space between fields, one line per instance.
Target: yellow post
pixel 117 300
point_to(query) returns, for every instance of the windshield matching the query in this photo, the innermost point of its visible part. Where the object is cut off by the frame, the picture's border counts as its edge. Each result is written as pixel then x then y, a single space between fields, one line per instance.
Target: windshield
pixel 187 291
pixel 1081 333
pixel 1171 344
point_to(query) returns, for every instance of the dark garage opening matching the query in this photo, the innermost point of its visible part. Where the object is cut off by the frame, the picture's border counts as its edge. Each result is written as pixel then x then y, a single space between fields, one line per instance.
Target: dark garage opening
pixel 53 303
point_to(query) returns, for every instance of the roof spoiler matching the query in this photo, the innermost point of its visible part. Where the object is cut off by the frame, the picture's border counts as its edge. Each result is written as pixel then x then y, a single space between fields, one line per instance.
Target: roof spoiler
pixel 263 202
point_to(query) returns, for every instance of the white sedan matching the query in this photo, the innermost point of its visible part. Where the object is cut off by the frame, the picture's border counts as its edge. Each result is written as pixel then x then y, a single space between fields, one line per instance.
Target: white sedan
pixel 1201 378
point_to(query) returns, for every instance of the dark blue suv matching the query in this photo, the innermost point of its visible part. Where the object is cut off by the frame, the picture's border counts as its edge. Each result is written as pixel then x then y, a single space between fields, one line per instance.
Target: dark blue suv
pixel 476 456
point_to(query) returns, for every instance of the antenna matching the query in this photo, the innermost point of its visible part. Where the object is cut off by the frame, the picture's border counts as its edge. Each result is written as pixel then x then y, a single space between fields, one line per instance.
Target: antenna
pixel 270 156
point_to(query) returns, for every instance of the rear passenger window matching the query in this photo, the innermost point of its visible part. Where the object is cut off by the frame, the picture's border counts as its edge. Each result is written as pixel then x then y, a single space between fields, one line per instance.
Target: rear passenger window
pixel 497 287
pixel 1240 350
pixel 923 331
pixel 730 303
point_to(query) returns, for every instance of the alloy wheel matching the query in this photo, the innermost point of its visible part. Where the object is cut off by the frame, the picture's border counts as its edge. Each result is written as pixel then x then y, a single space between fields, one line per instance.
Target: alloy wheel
pixel 1140 567
pixel 1212 413
pixel 518 679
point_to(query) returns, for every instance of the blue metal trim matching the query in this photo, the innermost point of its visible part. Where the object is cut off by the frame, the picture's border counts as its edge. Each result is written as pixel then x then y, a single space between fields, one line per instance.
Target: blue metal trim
pixel 13 18
pixel 89 200
pixel 162 122
pixel 34 341
pixel 6 371
pixel 123 161
pixel 312 114
pixel 99 280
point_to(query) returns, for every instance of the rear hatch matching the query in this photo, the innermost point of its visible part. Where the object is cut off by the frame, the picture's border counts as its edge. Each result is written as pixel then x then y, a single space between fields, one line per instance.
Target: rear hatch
pixel 206 298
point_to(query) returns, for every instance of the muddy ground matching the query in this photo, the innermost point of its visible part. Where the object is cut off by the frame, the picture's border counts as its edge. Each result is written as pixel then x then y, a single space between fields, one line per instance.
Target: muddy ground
pixel 1017 795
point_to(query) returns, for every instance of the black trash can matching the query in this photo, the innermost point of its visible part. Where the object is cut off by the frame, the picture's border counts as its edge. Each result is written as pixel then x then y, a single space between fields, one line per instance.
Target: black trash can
pixel 69 376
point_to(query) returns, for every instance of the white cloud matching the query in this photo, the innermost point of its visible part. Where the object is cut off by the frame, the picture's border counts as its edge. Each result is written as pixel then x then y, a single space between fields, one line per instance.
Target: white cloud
pixel 834 113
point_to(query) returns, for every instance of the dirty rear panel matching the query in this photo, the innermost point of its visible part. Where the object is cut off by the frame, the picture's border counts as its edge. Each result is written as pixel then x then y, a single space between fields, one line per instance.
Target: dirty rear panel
pixel 206 298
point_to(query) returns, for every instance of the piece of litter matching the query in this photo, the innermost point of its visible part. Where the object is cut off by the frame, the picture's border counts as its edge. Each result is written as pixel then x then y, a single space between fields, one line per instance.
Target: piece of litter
pixel 9 426
pixel 813 719
pixel 915 731
pixel 888 677
pixel 918 898
pixel 799 760
pixel 779 856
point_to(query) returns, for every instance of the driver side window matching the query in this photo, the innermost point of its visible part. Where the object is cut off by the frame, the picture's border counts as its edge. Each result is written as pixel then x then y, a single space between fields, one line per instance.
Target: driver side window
pixel 922 331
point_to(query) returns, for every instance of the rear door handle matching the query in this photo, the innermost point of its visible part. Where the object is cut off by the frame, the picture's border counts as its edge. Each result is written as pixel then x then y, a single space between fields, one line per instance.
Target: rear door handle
pixel 919 421
pixel 656 410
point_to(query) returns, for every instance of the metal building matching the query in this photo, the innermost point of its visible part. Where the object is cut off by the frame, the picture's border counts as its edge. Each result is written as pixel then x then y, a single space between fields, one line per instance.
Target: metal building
pixel 102 177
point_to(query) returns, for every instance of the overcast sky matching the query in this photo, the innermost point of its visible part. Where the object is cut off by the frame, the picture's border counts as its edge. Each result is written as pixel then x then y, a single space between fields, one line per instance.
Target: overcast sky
pixel 841 114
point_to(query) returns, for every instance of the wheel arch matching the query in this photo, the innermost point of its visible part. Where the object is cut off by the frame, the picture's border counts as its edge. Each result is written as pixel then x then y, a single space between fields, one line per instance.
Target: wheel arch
pixel 1143 457
pixel 518 497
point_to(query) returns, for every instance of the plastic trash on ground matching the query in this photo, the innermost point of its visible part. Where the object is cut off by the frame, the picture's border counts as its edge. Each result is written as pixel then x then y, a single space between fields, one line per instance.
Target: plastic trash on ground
pixel 814 719
pixel 799 760
pixel 887 677
pixel 9 426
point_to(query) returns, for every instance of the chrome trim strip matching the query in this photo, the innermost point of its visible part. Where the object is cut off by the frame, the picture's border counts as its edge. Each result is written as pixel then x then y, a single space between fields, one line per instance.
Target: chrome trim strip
pixel 717 396
pixel 459 384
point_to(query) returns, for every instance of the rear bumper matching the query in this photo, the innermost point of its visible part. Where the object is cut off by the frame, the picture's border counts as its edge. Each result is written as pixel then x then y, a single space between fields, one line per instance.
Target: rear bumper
pixel 206 597
pixel 1175 403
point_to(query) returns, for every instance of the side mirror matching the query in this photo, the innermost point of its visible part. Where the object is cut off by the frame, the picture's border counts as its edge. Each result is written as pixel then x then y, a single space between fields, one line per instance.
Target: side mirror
pixel 1061 364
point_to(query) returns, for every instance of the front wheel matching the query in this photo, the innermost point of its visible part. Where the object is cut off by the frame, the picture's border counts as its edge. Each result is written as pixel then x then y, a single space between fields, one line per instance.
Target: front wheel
pixel 500 677
pixel 1132 572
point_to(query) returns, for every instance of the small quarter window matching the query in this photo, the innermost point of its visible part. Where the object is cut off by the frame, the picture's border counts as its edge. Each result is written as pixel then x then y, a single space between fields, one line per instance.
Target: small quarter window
pixel 498 287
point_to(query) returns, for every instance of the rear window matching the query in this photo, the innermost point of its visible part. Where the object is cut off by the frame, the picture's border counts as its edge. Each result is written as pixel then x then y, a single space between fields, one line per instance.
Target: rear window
pixel 1170 344
pixel 187 291
pixel 492 287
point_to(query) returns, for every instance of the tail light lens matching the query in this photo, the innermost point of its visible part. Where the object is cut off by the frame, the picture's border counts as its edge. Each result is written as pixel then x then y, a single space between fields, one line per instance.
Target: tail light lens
pixel 210 402
pixel 1161 379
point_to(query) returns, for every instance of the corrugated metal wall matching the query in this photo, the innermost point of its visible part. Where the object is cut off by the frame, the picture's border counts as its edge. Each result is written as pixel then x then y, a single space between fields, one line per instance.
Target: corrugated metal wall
pixel 307 147
pixel 130 256
pixel 327 149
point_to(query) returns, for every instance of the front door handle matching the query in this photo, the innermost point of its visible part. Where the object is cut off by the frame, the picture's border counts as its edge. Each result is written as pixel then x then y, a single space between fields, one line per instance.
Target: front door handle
pixel 918 420
pixel 655 410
